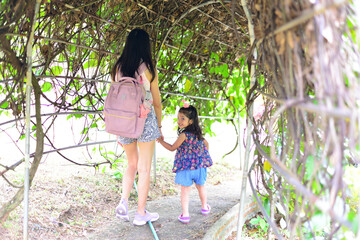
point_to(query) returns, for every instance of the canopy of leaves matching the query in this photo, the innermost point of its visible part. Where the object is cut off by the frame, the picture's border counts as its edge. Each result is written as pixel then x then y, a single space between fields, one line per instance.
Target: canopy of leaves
pixel 307 127
pixel 76 44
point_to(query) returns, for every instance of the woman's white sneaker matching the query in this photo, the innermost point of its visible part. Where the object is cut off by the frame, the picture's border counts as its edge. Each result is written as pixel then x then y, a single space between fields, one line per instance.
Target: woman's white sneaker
pixel 142 220
pixel 122 210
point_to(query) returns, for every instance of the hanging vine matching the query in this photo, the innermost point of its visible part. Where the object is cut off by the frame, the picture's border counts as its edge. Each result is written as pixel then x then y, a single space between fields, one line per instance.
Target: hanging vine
pixel 308 130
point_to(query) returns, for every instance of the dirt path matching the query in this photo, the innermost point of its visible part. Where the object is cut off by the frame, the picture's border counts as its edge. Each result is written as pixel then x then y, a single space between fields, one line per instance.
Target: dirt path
pixel 68 202
pixel 221 197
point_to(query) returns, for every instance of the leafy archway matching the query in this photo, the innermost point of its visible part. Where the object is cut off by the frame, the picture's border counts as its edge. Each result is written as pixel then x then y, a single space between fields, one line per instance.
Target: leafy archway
pixel 310 122
pixel 75 45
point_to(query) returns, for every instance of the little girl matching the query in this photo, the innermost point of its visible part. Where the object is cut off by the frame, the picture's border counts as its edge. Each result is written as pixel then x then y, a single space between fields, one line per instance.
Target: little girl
pixel 191 160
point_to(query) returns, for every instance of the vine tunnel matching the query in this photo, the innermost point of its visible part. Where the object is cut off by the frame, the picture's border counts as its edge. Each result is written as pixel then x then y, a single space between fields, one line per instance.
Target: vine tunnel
pixel 292 55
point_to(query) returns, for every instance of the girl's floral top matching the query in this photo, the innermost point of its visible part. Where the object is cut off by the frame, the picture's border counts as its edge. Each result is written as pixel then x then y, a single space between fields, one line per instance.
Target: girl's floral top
pixel 192 154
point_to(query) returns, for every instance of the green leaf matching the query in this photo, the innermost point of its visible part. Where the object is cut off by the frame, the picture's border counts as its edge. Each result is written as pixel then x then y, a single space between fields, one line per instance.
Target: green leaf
pixel 187 85
pixel 5 105
pixel 315 187
pixel 266 204
pixel 56 70
pixel 242 114
pixel 225 70
pixel 241 101
pixel 75 100
pixel 309 167
pixel 217 69
pixel 90 63
pixel 263 224
pixel 236 81
pixel 354 221
pixel 72 48
pixel 231 90
pixel 266 149
pixel 62 58
pixel 85 130
pixel 46 87
pixel 255 221
pixel 352 31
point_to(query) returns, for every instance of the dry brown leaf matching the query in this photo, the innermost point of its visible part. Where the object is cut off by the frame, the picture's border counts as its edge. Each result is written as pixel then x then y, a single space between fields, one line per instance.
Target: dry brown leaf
pixel 280 38
pixel 278 13
pixel 290 39
pixel 280 41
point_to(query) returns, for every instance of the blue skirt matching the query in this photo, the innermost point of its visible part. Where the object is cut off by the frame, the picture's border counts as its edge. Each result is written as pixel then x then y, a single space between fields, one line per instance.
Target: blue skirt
pixel 151 131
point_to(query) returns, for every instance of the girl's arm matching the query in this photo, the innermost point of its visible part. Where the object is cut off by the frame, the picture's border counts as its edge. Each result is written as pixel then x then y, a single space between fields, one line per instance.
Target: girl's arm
pixel 206 144
pixel 176 144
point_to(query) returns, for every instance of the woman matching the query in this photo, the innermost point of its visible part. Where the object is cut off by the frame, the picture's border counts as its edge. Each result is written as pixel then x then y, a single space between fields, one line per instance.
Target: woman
pixel 136 61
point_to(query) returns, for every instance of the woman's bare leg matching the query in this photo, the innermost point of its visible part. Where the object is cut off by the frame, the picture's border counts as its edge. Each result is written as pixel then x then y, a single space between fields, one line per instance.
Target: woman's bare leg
pixel 146 151
pixel 131 152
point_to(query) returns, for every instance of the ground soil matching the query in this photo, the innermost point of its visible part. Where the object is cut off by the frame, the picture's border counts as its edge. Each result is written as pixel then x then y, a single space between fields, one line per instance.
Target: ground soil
pixel 72 202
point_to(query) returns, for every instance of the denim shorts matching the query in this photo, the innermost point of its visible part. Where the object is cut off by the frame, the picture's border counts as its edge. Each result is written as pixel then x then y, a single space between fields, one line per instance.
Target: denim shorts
pixel 187 177
pixel 151 131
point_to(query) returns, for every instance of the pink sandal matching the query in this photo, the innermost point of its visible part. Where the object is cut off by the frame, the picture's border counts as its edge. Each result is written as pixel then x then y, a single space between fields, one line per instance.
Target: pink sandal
pixel 206 211
pixel 184 219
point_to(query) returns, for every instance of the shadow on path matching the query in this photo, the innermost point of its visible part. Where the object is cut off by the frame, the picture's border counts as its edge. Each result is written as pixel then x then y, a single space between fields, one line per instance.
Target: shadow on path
pixel 221 197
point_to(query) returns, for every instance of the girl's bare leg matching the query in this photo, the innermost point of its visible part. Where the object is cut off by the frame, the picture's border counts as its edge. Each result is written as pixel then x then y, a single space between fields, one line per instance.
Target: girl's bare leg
pixel 185 195
pixel 203 195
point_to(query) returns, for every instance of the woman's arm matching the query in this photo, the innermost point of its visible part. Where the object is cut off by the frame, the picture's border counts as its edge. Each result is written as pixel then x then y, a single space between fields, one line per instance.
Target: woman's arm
pixel 155 92
pixel 176 144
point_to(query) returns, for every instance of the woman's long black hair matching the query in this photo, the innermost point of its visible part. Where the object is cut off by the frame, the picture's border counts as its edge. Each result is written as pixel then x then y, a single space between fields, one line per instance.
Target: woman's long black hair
pixel 137 50
pixel 191 113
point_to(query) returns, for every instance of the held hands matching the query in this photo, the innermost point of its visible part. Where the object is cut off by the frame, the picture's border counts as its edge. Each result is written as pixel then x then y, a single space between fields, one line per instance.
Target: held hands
pixel 161 138
pixel 162 141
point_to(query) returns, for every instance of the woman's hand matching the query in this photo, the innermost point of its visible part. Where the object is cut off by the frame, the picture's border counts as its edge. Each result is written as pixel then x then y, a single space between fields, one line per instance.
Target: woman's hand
pixel 161 138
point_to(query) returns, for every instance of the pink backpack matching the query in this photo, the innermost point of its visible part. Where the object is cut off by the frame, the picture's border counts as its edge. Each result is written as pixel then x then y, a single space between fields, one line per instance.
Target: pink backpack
pixel 123 108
